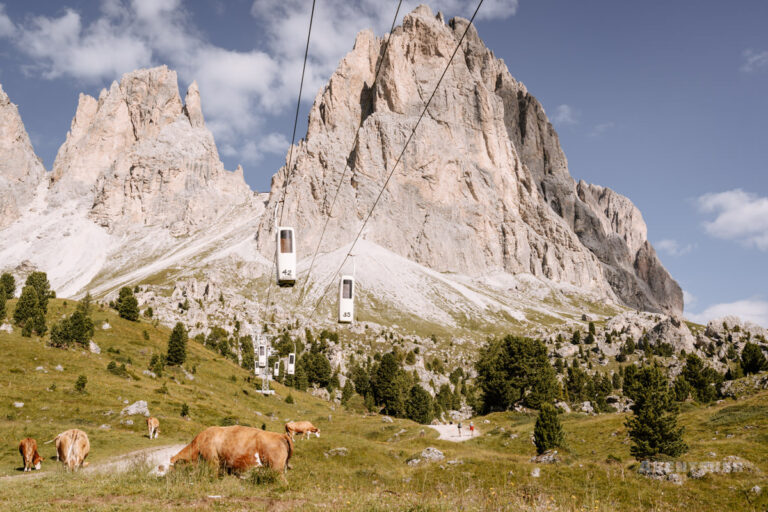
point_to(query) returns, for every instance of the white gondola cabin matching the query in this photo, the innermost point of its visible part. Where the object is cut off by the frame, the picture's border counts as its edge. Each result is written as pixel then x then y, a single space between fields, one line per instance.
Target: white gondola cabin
pixel 291 364
pixel 286 257
pixel 276 370
pixel 347 299
pixel 263 355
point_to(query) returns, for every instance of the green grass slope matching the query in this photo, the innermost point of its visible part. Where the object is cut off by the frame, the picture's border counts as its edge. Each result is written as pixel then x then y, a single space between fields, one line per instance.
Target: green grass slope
pixel 492 471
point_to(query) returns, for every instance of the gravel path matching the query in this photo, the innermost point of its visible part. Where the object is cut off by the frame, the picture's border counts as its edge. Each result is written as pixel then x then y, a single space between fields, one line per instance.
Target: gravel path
pixel 152 457
pixel 451 432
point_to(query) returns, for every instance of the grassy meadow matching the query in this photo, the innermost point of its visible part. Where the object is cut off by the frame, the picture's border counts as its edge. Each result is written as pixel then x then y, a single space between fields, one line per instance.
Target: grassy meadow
pixel 490 472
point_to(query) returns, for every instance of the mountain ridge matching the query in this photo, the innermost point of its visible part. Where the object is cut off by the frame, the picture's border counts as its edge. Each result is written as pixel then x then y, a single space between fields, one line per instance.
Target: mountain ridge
pixel 138 194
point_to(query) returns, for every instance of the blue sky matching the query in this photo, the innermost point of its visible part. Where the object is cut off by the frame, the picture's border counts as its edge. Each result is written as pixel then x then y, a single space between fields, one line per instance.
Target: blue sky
pixel 664 102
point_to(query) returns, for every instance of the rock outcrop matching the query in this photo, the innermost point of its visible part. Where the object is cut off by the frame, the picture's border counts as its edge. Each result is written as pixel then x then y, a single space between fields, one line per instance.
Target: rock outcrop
pixel 141 157
pixel 21 171
pixel 482 187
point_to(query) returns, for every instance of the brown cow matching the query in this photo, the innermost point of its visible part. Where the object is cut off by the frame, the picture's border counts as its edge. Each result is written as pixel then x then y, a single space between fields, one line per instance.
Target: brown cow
pixel 153 425
pixel 238 448
pixel 301 427
pixel 72 447
pixel 29 455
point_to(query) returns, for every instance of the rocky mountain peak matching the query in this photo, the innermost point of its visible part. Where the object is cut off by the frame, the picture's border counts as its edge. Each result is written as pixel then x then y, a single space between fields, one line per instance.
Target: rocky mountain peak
pixel 21 171
pixel 138 156
pixel 483 186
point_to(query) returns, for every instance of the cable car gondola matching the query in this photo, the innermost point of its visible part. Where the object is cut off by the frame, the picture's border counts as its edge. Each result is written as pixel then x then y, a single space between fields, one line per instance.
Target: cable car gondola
pixel 286 257
pixel 347 300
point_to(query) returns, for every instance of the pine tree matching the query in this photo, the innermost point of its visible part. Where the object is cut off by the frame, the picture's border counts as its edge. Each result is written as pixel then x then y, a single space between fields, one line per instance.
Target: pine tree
pixel 576 338
pixel 347 392
pixel 177 345
pixel 26 307
pixel 38 323
pixel 547 433
pixel 85 305
pixel 8 283
pixel 418 406
pixel 39 281
pixel 515 369
pixel 388 385
pixel 246 351
pixel 2 303
pixel 752 359
pixel 653 426
pixel 127 305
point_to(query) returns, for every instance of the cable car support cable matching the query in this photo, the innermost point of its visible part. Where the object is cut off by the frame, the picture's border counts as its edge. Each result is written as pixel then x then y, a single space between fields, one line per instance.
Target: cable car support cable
pixel 346 165
pixel 289 170
pixel 394 167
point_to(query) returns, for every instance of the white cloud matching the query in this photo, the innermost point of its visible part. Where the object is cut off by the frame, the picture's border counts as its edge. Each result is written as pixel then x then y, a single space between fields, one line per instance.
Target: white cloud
pixel 673 247
pixel 7 28
pixel 601 128
pixel 62 46
pixel 565 115
pixel 739 215
pixel 754 61
pixel 273 143
pixel 689 299
pixel 237 87
pixel 751 310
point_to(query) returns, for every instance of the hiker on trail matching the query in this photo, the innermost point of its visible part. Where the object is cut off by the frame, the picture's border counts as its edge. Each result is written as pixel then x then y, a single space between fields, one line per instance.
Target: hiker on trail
pixel 459 429
pixel 471 429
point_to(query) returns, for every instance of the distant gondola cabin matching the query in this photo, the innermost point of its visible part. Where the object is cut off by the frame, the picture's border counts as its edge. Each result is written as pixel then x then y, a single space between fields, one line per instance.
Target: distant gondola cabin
pixel 286 257
pixel 347 299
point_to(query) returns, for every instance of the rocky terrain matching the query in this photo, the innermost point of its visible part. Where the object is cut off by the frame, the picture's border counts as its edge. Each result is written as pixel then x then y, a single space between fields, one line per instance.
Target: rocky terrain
pixel 481 231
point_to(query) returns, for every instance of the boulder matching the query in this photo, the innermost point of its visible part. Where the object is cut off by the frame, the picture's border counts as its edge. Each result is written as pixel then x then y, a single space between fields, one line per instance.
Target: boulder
pixel 432 454
pixel 139 407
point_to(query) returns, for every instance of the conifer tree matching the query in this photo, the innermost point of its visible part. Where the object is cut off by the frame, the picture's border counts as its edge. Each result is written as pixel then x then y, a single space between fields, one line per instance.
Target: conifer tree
pixel 547 433
pixel 2 303
pixel 388 385
pixel 347 392
pixel 177 345
pixel 8 283
pixel 38 323
pixel 418 406
pixel 752 359
pixel 26 307
pixel 653 425
pixel 127 305
pixel 39 280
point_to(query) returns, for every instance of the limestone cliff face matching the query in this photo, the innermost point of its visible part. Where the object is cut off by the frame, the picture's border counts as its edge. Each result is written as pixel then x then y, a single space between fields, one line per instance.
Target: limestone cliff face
pixel 21 170
pixel 141 157
pixel 483 186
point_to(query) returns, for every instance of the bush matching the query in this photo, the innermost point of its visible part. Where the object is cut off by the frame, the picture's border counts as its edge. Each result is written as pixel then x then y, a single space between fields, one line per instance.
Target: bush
pixel 547 433
pixel 227 421
pixel 289 399
pixel 119 370
pixel 80 383
pixel 184 410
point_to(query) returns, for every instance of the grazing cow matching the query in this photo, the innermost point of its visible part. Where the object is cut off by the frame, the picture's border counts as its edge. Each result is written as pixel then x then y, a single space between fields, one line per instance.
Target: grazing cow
pixel 301 427
pixel 72 448
pixel 238 448
pixel 153 425
pixel 29 455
